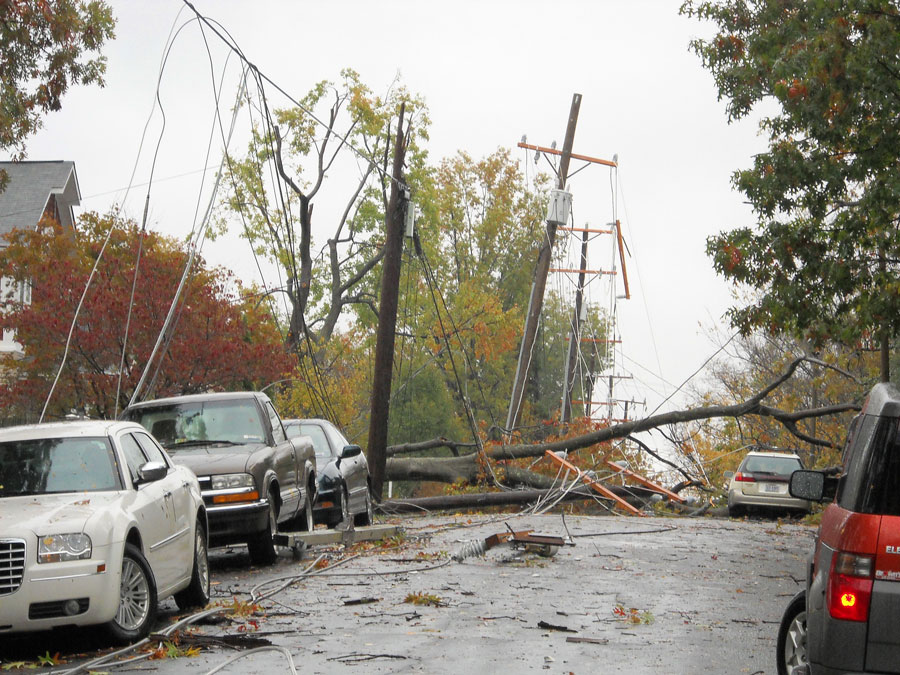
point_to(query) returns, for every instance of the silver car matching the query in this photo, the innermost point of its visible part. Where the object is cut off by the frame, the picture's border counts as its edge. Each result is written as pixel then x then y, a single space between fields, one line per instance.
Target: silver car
pixel 761 483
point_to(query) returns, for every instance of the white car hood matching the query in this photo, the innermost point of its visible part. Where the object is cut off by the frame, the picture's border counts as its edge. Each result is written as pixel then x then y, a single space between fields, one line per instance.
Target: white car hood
pixel 51 514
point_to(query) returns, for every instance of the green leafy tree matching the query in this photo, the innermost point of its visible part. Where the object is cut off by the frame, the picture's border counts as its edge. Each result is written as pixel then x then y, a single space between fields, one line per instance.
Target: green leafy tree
pixel 477 225
pixel 826 193
pixel 277 216
pixel 47 45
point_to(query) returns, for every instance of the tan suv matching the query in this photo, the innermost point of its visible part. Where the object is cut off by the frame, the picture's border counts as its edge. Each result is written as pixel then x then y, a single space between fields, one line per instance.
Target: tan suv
pixel 761 483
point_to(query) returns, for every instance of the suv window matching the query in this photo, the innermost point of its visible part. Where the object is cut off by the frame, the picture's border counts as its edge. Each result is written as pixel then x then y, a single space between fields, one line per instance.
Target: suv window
pixel 775 466
pixel 857 442
pixel 872 462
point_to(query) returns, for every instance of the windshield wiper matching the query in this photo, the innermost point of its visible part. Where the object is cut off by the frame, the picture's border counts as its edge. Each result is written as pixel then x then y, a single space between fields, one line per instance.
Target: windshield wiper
pixel 198 441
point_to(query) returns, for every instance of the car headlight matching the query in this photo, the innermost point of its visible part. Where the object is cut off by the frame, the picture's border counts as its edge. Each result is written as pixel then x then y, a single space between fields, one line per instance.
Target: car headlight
pixel 63 547
pixel 230 481
pixel 233 488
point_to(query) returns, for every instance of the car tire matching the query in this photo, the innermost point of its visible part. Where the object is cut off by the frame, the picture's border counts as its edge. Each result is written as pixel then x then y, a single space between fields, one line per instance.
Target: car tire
pixel 367 517
pixel 736 511
pixel 344 510
pixel 307 522
pixel 790 650
pixel 137 599
pixel 197 592
pixel 262 545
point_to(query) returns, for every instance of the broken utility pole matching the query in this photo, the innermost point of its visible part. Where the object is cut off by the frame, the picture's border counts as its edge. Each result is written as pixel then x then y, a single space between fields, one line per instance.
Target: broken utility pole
pixel 536 303
pixel 387 315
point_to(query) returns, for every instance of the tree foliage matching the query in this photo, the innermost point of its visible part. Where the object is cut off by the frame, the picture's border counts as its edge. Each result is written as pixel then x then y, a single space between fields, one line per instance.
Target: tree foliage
pixel 839 376
pixel 465 277
pixel 459 312
pixel 322 277
pixel 826 192
pixel 221 340
pixel 47 45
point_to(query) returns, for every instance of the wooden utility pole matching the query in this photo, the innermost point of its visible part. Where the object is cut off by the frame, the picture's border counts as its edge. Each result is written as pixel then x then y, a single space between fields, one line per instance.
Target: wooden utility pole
pixel 387 316
pixel 575 338
pixel 536 302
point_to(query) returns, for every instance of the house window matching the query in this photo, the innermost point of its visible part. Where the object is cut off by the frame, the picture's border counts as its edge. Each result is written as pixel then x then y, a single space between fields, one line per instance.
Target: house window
pixel 13 291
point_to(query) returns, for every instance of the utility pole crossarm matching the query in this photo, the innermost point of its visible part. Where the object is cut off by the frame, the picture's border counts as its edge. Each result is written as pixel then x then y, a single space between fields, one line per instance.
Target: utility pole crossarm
pixel 554 151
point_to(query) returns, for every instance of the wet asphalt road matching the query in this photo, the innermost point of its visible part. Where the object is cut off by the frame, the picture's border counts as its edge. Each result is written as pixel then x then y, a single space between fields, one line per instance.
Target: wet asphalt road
pixel 633 595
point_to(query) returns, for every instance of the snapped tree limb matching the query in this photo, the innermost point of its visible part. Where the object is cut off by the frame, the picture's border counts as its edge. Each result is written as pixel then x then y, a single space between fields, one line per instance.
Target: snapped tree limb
pixel 465 467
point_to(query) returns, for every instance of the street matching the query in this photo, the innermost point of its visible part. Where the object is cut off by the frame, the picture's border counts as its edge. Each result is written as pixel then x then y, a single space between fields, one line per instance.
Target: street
pixel 633 595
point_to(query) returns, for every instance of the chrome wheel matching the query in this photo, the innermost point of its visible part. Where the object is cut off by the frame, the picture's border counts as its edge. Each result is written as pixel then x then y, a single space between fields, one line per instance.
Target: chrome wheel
pixel 368 516
pixel 795 644
pixel 202 561
pixel 197 592
pixel 134 596
pixel 307 523
pixel 345 504
pixel 790 650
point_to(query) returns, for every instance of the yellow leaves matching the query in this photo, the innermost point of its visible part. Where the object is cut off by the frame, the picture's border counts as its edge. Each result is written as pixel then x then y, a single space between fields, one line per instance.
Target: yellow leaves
pixel 343 371
pixel 171 650
pixel 242 608
pixel 422 598
pixel 480 321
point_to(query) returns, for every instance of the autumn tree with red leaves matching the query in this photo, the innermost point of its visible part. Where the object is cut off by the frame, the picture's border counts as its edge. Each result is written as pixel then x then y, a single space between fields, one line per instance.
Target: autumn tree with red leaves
pixel 222 339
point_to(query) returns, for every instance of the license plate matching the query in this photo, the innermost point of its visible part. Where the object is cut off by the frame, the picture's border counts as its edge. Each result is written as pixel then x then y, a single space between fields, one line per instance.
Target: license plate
pixel 772 487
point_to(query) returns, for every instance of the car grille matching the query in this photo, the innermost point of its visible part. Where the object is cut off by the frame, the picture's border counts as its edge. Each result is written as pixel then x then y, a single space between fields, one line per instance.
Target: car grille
pixel 55 609
pixel 12 565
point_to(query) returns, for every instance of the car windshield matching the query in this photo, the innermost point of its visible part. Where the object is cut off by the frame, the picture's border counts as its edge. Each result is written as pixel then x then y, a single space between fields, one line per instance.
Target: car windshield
pixel 317 434
pixel 230 421
pixel 53 465
pixel 775 466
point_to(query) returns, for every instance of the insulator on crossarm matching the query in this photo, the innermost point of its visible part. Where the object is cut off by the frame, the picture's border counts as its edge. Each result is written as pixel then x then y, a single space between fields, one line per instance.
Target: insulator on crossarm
pixel 469 550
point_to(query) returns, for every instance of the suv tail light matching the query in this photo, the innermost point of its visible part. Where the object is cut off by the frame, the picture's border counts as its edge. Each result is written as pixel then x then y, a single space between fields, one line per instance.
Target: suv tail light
pixel 744 477
pixel 850 586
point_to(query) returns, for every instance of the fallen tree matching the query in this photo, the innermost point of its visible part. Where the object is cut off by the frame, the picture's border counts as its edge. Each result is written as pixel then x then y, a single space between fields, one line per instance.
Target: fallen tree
pixel 470 467
pixel 505 498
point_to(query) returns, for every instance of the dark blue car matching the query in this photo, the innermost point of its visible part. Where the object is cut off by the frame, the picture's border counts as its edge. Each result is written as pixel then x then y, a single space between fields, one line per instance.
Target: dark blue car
pixel 343 473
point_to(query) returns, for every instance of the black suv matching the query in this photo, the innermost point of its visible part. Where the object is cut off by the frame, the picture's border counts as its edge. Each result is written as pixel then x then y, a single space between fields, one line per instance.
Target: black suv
pixel 848 618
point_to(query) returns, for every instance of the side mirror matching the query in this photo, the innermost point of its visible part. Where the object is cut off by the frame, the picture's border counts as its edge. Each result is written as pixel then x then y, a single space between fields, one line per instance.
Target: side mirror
pixel 350 451
pixel 152 471
pixel 728 475
pixel 814 486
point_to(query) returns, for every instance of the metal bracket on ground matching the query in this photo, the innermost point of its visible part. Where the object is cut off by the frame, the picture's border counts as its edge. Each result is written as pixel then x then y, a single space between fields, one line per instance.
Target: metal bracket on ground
pixel 322 537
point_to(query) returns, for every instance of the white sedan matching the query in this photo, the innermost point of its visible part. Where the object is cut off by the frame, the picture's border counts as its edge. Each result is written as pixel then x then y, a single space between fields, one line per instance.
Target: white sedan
pixel 96 526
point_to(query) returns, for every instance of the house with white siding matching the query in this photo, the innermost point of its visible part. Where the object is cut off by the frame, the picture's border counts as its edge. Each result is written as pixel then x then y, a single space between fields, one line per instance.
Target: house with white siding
pixel 35 190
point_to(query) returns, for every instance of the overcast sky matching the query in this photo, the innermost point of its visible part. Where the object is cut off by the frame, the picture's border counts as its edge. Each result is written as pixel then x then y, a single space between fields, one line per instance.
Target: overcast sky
pixel 490 71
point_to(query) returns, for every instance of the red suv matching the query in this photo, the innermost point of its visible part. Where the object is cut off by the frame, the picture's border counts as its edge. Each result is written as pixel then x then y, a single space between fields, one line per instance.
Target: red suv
pixel 848 618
